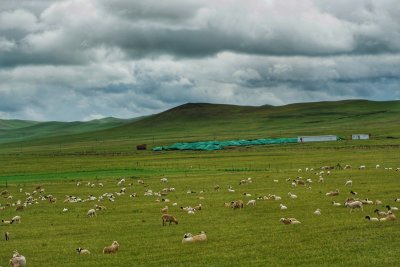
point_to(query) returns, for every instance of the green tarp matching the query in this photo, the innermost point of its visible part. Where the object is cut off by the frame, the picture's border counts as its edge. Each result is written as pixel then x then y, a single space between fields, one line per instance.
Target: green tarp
pixel 216 145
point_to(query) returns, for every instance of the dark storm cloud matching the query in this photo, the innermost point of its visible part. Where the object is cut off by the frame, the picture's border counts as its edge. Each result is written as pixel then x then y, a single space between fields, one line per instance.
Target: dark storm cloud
pixel 128 58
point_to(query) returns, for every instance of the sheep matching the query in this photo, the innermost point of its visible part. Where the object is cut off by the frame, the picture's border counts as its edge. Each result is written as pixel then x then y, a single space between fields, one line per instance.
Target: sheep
pixel 17 260
pixel 372 219
pixel 397 200
pixel 82 251
pixel 98 207
pixel 289 221
pixel 283 207
pixel 6 236
pixel 16 219
pixel 198 207
pixel 349 183
pixel 237 204
pixel 65 210
pixel 380 213
pixel 391 208
pixel 292 195
pixel 333 193
pixel 390 216
pixel 91 213
pixel 168 218
pixel 336 203
pixel 189 238
pixel 317 212
pixel 354 205
pixel 111 249
pixel 164 180
pixel 251 202
pixel 377 166
pixel 353 193
pixel 6 222
pixel 247 194
pixel 347 167
pixel 362 167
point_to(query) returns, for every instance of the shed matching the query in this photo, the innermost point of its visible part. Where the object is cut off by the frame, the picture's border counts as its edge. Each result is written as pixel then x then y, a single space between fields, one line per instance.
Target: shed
pixel 360 136
pixel 317 138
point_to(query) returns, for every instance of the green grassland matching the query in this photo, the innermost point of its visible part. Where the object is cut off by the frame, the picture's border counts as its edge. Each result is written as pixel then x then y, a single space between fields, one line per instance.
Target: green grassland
pixel 252 236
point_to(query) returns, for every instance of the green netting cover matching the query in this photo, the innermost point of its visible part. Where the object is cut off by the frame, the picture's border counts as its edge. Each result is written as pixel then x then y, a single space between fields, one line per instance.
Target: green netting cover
pixel 216 145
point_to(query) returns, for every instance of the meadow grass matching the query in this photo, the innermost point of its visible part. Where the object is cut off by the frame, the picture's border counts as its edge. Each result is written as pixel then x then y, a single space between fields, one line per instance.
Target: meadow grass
pixel 249 237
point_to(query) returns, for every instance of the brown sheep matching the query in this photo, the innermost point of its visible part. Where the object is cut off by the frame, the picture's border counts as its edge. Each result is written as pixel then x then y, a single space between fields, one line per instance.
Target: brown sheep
pixel 168 218
pixel 111 249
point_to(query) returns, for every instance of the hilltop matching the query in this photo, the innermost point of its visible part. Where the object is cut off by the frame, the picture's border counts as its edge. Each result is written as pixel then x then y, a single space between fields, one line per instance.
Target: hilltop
pixel 204 121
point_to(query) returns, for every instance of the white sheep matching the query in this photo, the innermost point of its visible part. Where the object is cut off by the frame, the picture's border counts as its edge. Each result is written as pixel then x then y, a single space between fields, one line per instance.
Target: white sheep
pixel 362 167
pixel 349 183
pixel 283 207
pixel 334 203
pixel 189 238
pixel 293 196
pixel 251 202
pixel 17 260
pixel 353 205
pixel 164 180
pixel 333 193
pixel 82 251
pixel 91 213
pixel 16 219
pixel 111 249
pixel 317 212
pixel 289 221
pixel 372 219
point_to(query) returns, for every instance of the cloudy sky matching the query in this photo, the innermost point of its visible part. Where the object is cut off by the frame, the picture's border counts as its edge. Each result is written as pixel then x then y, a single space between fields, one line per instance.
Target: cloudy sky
pixel 81 60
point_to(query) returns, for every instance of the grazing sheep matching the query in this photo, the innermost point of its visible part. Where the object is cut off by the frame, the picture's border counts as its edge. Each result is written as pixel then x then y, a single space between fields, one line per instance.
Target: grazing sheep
pixel 372 219
pixel 349 183
pixel 397 200
pixel 164 180
pixel 237 204
pixel 82 251
pixel 283 207
pixel 189 238
pixel 251 202
pixel 317 212
pixel 347 167
pixel 111 249
pixel 362 167
pixel 6 222
pixel 16 219
pixel 293 196
pixel 6 236
pixel 354 205
pixel 168 218
pixel 333 193
pixel 17 260
pixel 91 213
pixel 289 221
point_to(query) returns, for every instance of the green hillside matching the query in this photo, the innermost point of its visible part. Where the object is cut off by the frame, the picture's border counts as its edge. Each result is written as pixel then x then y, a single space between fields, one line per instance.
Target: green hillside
pixel 202 122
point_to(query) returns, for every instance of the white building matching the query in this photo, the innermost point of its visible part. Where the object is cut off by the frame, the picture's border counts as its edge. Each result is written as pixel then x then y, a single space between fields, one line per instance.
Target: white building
pixel 360 136
pixel 317 138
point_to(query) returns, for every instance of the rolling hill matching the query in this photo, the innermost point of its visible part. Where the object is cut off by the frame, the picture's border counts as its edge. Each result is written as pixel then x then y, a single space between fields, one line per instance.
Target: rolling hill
pixel 202 121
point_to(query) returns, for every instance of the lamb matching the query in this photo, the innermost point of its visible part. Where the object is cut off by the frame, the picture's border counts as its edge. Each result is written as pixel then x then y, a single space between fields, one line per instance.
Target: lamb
pixel 189 238
pixel 372 219
pixel 17 260
pixel 82 251
pixel 168 218
pixel 91 213
pixel 292 195
pixel 111 249
pixel 354 205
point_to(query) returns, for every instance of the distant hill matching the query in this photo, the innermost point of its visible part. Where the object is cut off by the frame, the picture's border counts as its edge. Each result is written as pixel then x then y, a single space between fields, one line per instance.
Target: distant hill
pixel 202 121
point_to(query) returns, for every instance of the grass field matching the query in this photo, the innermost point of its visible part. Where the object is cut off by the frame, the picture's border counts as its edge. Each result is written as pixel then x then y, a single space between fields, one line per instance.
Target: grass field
pixel 252 236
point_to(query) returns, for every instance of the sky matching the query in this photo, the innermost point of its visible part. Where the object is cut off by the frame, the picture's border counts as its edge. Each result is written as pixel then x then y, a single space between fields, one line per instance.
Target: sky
pixel 81 60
